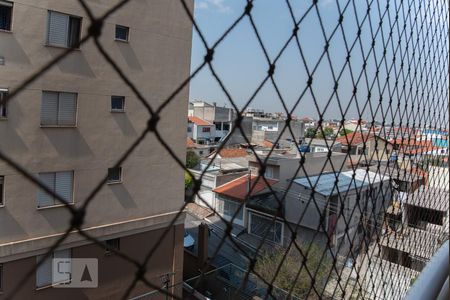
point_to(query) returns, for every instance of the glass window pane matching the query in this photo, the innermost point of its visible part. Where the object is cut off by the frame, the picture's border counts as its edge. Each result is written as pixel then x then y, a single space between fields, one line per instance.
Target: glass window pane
pixel 74 32
pixel 114 174
pixel 5 16
pixel 117 103
pixel 122 33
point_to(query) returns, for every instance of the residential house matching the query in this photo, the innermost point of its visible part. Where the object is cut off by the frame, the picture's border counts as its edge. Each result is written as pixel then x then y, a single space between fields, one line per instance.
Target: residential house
pixel 202 150
pixel 424 227
pixel 321 145
pixel 364 148
pixel 201 131
pixel 340 206
pixel 221 117
pixel 272 128
pixel 232 196
pixel 219 169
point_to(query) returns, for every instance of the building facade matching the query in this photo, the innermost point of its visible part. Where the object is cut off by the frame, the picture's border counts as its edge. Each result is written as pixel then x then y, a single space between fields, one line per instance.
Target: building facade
pixel 71 125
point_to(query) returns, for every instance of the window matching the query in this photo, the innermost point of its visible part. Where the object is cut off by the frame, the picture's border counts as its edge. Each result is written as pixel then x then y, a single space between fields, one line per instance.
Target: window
pixel 3 111
pixel 63 30
pixel 269 172
pixel 5 15
pixel 226 127
pixel 206 129
pixel 114 175
pixel 229 208
pixel 58 109
pixel 2 190
pixel 117 103
pixel 113 244
pixel 189 129
pixel 260 226
pixel 60 183
pixel 44 271
pixel 122 33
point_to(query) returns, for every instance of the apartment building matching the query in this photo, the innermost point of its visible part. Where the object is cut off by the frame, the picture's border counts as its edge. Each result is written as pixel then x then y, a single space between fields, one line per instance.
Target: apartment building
pixel 73 123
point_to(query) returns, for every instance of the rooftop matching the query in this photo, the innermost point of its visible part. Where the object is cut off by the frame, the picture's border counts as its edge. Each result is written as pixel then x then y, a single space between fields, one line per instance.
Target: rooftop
pixel 239 187
pixel 354 138
pixel 324 184
pixel 199 121
pixel 230 153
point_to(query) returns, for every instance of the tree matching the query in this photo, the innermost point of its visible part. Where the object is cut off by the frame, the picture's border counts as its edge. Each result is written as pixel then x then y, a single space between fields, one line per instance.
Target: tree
pixel 311 132
pixel 345 131
pixel 286 278
pixel 192 159
pixel 188 182
pixel 327 132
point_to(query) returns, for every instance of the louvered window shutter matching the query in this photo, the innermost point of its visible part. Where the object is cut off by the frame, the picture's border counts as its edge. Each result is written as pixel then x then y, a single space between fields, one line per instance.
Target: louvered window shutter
pixel 49 108
pixel 67 108
pixel 58 28
pixel 64 185
pixel 44 271
pixel 45 199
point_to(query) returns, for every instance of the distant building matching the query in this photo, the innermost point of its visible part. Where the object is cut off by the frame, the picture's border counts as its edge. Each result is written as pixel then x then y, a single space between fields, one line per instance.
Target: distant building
pixel 221 117
pixel 350 202
pixel 321 145
pixel 271 129
pixel 201 131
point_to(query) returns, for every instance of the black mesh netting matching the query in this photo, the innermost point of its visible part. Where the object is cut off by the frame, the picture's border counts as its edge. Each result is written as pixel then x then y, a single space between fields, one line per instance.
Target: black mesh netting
pixel 391 69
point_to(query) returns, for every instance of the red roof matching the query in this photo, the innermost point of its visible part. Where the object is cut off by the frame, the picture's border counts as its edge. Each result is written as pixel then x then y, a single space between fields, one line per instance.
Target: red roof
pixel 198 121
pixel 190 143
pixel 230 153
pixel 239 187
pixel 354 138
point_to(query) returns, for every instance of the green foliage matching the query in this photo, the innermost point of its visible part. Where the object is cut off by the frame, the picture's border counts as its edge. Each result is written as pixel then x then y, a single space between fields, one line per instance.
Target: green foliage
pixel 285 280
pixel 192 159
pixel 345 132
pixel 317 132
pixel 188 181
pixel 310 133
pixel 327 132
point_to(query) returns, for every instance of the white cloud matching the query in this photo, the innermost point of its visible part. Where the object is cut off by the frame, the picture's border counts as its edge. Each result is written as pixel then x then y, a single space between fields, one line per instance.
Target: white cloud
pixel 218 5
pixel 201 5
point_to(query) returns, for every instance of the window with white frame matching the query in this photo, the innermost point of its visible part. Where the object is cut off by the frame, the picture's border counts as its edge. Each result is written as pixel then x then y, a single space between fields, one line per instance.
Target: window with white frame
pixel 114 175
pixel 60 183
pixel 122 33
pixel 3 110
pixel 2 190
pixel 63 30
pixel 269 172
pixel 117 103
pixel 6 9
pixel 44 271
pixel 228 208
pixel 262 226
pixel 58 109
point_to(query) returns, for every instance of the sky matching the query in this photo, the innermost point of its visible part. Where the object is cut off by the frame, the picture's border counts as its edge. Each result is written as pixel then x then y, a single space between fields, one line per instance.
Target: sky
pixel 240 62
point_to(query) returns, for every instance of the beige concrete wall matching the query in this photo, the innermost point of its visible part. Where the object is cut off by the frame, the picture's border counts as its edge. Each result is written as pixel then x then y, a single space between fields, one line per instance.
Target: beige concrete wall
pixel 114 273
pixel 156 59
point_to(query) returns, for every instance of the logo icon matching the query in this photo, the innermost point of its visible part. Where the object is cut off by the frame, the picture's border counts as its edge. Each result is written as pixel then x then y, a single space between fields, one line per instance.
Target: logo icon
pixel 75 272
